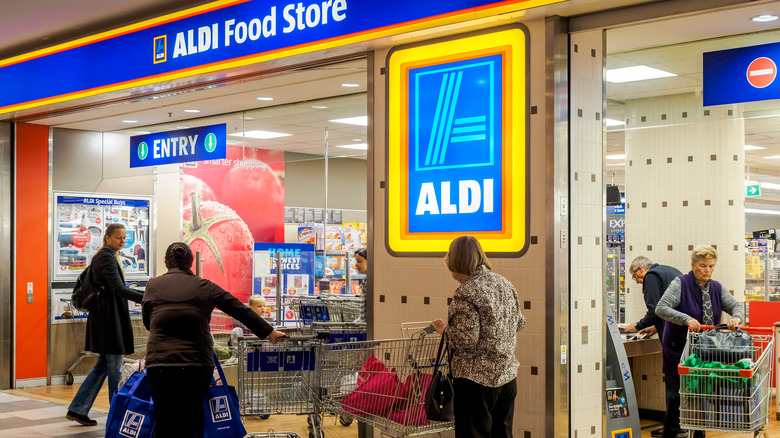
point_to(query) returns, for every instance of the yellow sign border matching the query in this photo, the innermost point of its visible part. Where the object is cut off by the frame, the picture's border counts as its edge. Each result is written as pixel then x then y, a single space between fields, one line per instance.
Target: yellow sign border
pixel 512 42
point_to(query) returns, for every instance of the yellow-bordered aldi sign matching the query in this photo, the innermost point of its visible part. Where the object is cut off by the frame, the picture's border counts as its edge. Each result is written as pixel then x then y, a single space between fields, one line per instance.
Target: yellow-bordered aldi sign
pixel 458 143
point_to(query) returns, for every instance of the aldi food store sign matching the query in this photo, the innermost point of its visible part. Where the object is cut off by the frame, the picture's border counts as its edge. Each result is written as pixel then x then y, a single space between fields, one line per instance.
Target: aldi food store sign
pixel 746 74
pixel 182 146
pixel 457 143
pixel 219 36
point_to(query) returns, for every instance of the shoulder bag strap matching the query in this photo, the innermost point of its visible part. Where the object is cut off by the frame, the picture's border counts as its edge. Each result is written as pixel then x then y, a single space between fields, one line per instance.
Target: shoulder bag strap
pixel 219 370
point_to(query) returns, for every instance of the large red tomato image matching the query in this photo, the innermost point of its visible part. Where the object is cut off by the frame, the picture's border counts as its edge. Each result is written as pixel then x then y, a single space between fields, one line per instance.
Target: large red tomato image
pixel 194 184
pixel 258 198
pixel 225 244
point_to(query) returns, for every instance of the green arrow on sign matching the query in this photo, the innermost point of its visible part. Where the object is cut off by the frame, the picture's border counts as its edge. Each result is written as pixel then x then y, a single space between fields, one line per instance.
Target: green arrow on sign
pixel 211 142
pixel 143 150
pixel 753 190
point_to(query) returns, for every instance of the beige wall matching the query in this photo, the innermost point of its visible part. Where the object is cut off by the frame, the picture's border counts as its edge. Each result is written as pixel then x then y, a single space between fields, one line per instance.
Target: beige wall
pixel 403 284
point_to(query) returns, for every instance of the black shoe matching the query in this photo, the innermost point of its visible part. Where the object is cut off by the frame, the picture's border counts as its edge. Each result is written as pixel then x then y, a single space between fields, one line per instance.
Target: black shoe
pixel 682 433
pixel 81 419
pixel 657 432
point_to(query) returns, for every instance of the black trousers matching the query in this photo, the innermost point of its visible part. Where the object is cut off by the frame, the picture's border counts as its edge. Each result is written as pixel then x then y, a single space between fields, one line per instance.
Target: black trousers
pixel 672 418
pixel 484 412
pixel 178 394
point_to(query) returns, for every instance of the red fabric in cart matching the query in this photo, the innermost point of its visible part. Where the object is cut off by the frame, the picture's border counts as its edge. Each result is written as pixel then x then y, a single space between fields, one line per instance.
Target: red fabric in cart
pixel 376 392
pixel 411 411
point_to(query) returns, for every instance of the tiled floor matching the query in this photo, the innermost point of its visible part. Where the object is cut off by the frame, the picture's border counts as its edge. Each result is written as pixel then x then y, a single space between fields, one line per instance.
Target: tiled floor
pixel 27 417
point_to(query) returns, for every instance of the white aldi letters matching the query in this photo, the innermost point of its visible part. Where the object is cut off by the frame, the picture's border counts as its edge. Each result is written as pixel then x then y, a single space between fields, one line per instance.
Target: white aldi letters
pixel 131 424
pixel 219 409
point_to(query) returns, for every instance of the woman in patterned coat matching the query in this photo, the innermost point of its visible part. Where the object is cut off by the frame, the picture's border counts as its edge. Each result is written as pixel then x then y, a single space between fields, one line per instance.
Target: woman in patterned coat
pixel 482 324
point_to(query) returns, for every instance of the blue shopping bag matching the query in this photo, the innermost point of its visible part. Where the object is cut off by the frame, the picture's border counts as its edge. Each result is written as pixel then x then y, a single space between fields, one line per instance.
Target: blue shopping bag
pixel 221 417
pixel 132 412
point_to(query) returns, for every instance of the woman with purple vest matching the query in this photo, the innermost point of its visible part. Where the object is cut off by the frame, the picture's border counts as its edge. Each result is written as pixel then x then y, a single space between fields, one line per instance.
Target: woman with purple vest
pixel 691 300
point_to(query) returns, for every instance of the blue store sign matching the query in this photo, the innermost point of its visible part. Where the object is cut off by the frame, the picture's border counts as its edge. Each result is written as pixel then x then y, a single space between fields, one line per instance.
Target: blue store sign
pixel 186 145
pixel 221 35
pixel 746 74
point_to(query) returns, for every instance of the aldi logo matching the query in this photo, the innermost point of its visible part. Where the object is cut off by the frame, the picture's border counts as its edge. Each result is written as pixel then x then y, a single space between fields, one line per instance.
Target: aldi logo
pixel 219 409
pixel 131 424
pixel 457 141
pixel 160 49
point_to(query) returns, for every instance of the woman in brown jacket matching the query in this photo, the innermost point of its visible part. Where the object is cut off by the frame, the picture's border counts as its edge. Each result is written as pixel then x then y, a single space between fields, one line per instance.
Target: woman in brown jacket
pixel 177 310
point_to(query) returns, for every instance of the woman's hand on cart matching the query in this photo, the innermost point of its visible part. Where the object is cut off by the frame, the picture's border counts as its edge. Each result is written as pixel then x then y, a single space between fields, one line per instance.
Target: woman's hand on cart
pixel 439 325
pixel 733 323
pixel 693 325
pixel 277 337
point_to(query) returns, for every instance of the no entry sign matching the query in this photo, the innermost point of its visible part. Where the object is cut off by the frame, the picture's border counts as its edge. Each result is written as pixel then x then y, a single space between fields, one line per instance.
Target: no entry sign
pixel 761 72
pixel 745 74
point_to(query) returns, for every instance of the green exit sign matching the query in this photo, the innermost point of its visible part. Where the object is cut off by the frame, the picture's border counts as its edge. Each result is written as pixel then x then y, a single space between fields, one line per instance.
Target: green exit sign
pixel 752 190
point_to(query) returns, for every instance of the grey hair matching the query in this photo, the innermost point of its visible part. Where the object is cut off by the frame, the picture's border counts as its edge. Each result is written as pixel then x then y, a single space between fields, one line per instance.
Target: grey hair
pixel 639 262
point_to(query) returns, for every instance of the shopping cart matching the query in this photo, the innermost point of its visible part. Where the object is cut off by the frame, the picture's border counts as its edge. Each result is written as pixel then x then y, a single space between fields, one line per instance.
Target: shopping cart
pixel 383 382
pixel 731 391
pixel 280 379
pixel 273 434
pixel 78 331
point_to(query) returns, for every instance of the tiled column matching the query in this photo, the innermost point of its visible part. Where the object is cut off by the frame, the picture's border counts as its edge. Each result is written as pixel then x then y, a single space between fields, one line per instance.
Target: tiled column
pixel 684 187
pixel 587 231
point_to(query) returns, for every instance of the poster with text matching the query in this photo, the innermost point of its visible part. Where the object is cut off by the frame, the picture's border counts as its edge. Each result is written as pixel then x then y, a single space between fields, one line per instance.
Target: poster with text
pixel 227 206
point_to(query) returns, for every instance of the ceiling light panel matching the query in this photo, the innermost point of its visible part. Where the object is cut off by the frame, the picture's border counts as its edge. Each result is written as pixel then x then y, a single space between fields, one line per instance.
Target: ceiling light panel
pixel 636 73
pixel 357 121
pixel 260 135
pixel 357 146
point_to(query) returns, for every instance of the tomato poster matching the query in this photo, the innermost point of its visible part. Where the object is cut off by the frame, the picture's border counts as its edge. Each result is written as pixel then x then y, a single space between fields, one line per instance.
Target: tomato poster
pixel 227 206
pixel 80 220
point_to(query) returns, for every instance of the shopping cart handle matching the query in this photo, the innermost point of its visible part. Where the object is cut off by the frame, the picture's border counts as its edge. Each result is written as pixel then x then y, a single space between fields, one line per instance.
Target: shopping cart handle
pixel 744 329
pixel 429 329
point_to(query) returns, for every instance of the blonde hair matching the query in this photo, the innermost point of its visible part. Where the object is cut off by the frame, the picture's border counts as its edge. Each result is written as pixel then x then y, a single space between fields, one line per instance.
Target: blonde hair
pixel 466 255
pixel 256 299
pixel 704 252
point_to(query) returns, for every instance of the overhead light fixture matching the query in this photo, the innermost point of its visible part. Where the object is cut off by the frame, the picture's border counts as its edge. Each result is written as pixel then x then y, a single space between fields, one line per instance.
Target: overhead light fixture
pixel 764 17
pixel 752 148
pixel 613 122
pixel 319 106
pixel 359 120
pixel 265 98
pixel 143 132
pixel 616 157
pixel 772 157
pixel 357 139
pixel 357 146
pixel 350 85
pixel 636 73
pixel 191 111
pixel 260 135
pixel 616 164
pixel 768 185
pixel 129 121
pixel 182 127
pixel 760 211
pixel 246 118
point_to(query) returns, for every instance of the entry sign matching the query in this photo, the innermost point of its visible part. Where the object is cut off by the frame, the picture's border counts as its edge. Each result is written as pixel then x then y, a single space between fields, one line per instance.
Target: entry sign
pixel 752 190
pixel 186 145
pixel 745 74
pixel 457 143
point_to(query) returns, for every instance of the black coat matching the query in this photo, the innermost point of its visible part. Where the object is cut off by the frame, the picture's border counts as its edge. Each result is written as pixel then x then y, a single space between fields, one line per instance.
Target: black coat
pixel 108 326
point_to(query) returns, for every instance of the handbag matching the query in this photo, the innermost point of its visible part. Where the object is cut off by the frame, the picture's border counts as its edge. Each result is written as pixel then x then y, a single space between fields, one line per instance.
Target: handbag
pixel 714 345
pixel 221 416
pixel 221 409
pixel 132 411
pixel 440 396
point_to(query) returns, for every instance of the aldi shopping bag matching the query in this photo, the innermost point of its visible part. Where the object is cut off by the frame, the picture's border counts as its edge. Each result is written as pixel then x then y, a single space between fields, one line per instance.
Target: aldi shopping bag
pixel 132 411
pixel 221 417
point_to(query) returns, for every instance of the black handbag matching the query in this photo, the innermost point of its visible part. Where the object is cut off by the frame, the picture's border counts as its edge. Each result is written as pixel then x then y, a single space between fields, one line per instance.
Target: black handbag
pixel 440 395
pixel 715 345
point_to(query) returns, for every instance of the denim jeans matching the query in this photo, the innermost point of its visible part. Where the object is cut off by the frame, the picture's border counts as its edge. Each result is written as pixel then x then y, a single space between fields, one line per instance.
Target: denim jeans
pixel 107 365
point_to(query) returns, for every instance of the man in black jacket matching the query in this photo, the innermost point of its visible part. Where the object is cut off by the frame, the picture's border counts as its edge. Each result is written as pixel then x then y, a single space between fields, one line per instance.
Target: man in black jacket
pixel 109 331
pixel 654 279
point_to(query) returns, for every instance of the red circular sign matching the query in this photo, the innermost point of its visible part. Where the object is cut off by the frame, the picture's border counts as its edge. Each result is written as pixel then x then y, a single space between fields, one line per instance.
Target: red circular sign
pixel 761 72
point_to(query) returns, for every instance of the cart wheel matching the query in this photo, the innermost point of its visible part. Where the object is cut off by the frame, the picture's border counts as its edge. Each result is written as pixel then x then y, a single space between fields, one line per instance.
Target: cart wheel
pixel 345 420
pixel 265 416
pixel 313 435
pixel 68 378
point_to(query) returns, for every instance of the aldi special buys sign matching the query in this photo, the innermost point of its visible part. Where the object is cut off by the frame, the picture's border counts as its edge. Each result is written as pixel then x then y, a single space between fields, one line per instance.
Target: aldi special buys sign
pixel 218 36
pixel 186 145
pixel 457 143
